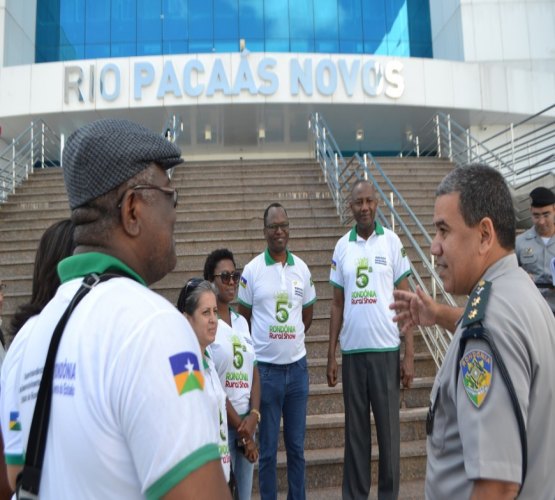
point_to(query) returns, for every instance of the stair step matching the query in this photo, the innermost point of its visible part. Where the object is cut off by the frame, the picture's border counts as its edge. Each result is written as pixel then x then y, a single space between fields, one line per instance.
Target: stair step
pixel 325 428
pixel 324 467
pixel 408 490
pixel 424 366
pixel 323 399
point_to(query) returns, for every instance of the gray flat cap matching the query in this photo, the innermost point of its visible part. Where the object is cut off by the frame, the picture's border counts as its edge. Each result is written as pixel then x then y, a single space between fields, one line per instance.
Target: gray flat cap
pixel 541 197
pixel 103 154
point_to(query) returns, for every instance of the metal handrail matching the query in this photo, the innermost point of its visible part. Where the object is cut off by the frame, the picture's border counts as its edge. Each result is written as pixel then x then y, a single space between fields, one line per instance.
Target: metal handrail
pixel 38 146
pixel 172 126
pixel 518 124
pixel 340 176
pixel 520 158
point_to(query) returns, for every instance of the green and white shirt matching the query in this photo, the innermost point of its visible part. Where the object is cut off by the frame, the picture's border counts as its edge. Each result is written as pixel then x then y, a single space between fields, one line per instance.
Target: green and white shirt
pixel 129 409
pixel 234 358
pixel 218 411
pixel 277 294
pixel 367 271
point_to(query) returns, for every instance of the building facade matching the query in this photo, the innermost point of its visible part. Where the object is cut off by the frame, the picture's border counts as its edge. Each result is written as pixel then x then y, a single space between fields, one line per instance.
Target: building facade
pixel 240 78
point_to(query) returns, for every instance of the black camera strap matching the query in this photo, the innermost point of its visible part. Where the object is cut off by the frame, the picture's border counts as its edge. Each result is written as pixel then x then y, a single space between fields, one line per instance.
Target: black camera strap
pixel 28 480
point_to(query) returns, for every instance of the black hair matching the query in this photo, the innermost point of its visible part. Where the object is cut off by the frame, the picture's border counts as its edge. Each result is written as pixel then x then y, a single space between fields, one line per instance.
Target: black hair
pixel 213 259
pixel 272 205
pixel 190 294
pixel 56 243
pixel 483 192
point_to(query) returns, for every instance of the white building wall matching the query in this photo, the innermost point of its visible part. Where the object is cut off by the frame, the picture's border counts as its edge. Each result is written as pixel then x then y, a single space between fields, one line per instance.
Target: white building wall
pixel 17 32
pixel 516 33
pixel 446 28
pixel 38 89
pixel 2 30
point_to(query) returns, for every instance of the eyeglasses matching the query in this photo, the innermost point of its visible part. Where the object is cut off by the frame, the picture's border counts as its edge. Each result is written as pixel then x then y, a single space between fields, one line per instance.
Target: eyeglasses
pixel 166 190
pixel 226 276
pixel 275 227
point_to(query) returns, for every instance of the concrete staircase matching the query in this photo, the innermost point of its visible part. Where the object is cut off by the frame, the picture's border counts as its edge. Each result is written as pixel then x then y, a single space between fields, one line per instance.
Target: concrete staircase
pixel 221 205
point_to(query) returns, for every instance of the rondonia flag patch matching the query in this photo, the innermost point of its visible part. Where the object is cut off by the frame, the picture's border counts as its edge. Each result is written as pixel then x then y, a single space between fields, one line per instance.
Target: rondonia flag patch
pixel 186 372
pixel 477 372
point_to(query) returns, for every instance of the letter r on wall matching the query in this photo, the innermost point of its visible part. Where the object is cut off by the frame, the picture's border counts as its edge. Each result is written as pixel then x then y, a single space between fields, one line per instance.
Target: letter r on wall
pixel 73 84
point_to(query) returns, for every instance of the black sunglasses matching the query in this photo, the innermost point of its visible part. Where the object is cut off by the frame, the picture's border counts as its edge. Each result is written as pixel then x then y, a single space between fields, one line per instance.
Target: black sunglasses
pixel 187 290
pixel 191 285
pixel 226 276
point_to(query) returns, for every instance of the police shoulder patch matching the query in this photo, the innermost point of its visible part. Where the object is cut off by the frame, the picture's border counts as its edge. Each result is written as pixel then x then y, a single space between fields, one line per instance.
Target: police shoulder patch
pixel 477 373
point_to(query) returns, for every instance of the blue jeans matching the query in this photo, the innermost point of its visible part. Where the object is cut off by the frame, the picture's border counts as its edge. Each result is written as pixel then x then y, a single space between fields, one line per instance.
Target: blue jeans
pixel 284 391
pixel 242 468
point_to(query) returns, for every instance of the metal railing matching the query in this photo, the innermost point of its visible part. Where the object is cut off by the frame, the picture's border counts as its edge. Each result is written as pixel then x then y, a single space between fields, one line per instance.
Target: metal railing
pixel 36 147
pixel 173 128
pixel 521 152
pixel 340 176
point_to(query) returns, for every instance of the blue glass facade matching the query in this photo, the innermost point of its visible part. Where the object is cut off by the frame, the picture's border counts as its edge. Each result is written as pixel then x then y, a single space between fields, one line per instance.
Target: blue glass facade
pixel 86 29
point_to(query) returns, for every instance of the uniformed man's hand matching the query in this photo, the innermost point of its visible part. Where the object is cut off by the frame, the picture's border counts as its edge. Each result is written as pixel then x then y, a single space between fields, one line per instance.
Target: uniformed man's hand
pixel 413 309
pixel 332 371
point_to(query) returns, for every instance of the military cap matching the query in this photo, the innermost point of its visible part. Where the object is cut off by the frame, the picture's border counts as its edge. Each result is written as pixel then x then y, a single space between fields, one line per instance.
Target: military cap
pixel 542 197
pixel 102 155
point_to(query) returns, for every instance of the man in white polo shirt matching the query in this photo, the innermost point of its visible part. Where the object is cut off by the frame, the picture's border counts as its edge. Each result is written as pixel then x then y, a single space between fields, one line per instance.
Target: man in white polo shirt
pixel 128 408
pixel 368 263
pixel 276 294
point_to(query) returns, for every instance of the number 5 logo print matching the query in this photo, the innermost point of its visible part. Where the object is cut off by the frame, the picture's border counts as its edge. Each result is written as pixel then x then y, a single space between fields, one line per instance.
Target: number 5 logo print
pixel 363 268
pixel 282 303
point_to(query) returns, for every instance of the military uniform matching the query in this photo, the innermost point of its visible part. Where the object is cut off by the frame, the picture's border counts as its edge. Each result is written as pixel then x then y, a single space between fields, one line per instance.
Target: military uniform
pixel 473 433
pixel 534 256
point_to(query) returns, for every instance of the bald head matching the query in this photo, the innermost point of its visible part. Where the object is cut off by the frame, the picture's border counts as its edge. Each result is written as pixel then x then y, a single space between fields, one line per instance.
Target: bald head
pixel 364 204
pixel 362 182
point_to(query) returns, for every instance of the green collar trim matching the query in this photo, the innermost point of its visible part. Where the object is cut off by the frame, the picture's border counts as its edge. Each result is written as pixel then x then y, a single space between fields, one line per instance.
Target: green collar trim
pixel 233 312
pixel 82 264
pixel 378 229
pixel 270 262
pixel 204 362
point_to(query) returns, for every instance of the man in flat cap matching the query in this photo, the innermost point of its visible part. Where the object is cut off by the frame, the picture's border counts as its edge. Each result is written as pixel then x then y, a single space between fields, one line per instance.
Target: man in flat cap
pixel 535 248
pixel 129 411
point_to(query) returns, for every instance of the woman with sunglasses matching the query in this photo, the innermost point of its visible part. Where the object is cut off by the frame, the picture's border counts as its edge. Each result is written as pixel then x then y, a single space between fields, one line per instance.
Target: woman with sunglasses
pixel 197 302
pixel 234 357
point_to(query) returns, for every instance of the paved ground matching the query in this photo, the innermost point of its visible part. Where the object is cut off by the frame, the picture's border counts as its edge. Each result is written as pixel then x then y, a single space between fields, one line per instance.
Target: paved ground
pixel 410 490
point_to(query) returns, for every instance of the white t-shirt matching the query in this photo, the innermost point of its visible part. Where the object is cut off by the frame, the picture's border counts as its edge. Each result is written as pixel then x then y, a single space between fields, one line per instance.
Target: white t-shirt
pixel 233 356
pixel 129 410
pixel 218 411
pixel 277 294
pixel 9 399
pixel 367 271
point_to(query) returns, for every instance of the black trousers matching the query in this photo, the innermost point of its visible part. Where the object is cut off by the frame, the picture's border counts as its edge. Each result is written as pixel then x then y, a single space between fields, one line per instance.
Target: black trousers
pixel 371 381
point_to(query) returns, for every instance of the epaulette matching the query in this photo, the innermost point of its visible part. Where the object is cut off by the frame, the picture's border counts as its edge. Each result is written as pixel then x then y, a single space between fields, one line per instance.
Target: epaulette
pixel 476 306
